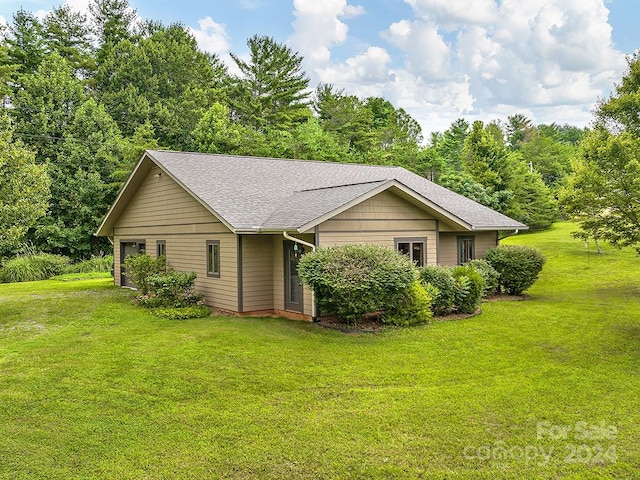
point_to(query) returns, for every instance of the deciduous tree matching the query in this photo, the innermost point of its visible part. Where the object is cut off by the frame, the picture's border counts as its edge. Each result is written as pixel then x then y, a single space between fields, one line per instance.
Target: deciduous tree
pixel 24 189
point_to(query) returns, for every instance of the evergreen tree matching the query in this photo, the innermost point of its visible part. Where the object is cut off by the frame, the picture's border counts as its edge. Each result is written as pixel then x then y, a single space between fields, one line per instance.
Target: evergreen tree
pixel 68 33
pixel 272 92
pixel 26 43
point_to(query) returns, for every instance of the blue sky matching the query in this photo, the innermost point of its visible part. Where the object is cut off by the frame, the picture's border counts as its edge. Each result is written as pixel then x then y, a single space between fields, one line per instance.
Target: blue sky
pixel 438 59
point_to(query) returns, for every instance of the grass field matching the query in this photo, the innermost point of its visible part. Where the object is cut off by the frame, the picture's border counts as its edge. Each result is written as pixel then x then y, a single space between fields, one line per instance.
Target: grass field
pixel 549 387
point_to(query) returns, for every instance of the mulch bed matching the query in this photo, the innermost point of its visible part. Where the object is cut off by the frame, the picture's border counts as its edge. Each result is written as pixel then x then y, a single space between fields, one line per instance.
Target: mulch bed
pixel 372 323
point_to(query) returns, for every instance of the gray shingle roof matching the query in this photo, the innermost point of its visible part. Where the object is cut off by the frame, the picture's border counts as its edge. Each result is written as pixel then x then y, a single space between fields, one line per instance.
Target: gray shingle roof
pixel 251 193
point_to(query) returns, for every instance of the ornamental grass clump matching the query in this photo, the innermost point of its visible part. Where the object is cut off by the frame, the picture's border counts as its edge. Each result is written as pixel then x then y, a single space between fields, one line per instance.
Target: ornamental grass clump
pixel 32 267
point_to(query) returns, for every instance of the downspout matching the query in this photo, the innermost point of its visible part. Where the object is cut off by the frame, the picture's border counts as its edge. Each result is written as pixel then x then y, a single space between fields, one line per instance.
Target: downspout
pixel 314 308
pixel 515 232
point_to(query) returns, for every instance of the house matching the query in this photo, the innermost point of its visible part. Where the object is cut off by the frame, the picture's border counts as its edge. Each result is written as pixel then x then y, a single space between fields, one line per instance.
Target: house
pixel 242 223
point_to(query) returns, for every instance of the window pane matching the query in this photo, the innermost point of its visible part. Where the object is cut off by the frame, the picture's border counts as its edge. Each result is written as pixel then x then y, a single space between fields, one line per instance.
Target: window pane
pixel 404 248
pixel 213 258
pixel 418 254
pixel 216 258
pixel 466 248
pixel 294 280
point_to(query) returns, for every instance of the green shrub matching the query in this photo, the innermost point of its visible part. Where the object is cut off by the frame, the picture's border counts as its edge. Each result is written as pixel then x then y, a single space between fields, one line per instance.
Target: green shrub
pixel 171 289
pixel 32 267
pixel 182 313
pixel 413 307
pixel 442 279
pixel 94 264
pixel 518 266
pixel 352 280
pixel 489 274
pixel 141 266
pixel 470 287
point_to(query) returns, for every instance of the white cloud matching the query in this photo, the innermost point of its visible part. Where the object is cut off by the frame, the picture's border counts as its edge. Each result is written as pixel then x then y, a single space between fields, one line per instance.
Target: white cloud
pixel 352 11
pixel 79 5
pixel 317 27
pixel 454 13
pixel 486 58
pixel 365 69
pixel 211 36
pixel 426 51
pixel 3 21
pixel 41 14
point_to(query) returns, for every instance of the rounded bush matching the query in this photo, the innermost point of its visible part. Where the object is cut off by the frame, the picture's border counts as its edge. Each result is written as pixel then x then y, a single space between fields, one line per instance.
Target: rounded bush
pixel 442 279
pixel 352 280
pixel 172 289
pixel 470 288
pixel 141 266
pixel 411 308
pixel 518 266
pixel 489 274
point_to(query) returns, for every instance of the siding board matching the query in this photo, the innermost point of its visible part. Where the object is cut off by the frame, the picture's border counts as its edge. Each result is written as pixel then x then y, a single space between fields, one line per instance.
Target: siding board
pixel 162 210
pixel 379 220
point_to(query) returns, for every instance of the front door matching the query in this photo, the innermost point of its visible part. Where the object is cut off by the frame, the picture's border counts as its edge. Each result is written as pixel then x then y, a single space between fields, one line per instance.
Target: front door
pixel 292 285
pixel 126 249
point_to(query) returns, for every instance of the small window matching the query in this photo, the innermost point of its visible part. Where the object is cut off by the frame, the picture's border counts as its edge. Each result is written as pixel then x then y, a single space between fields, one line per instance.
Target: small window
pixel 466 249
pixel 161 248
pixel 213 258
pixel 414 248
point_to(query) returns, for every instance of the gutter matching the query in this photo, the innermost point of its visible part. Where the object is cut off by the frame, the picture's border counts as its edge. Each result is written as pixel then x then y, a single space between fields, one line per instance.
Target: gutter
pixel 515 232
pixel 314 308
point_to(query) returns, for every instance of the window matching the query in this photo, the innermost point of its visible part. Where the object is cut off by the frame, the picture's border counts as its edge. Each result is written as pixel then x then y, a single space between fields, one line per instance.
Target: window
pixel 414 248
pixel 161 248
pixel 466 249
pixel 213 258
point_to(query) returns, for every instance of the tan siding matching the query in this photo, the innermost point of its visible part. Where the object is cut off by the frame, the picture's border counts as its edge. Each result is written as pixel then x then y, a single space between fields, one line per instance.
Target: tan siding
pixel 380 220
pixel 257 272
pixel 278 273
pixel 449 245
pixel 162 210
pixel 161 201
pixel 484 241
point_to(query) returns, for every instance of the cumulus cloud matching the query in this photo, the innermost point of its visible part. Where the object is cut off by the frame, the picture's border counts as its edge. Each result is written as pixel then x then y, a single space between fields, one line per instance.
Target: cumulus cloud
pixel 318 27
pixel 543 58
pixel 426 51
pixel 454 13
pixel 370 67
pixel 481 59
pixel 211 36
pixel 3 21
pixel 79 5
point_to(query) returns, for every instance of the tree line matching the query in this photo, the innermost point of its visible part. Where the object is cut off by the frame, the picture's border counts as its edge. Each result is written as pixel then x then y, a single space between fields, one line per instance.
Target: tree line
pixel 85 95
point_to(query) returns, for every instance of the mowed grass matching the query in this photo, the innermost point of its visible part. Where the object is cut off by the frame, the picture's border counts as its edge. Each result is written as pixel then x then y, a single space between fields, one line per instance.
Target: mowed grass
pixel 549 387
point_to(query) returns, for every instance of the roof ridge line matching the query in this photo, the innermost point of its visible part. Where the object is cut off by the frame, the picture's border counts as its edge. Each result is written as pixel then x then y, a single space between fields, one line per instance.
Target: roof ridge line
pixel 344 185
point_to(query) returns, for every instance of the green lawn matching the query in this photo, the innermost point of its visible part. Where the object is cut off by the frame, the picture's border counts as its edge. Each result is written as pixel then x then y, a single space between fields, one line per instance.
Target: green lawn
pixel 92 387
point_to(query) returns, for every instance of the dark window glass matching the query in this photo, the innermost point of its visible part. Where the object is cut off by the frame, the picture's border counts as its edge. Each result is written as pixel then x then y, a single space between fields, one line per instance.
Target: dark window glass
pixel 414 248
pixel 466 249
pixel 213 258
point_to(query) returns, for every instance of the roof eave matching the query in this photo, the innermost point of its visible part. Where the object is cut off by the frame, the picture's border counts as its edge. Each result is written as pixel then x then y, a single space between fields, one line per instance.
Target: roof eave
pixel 105 229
